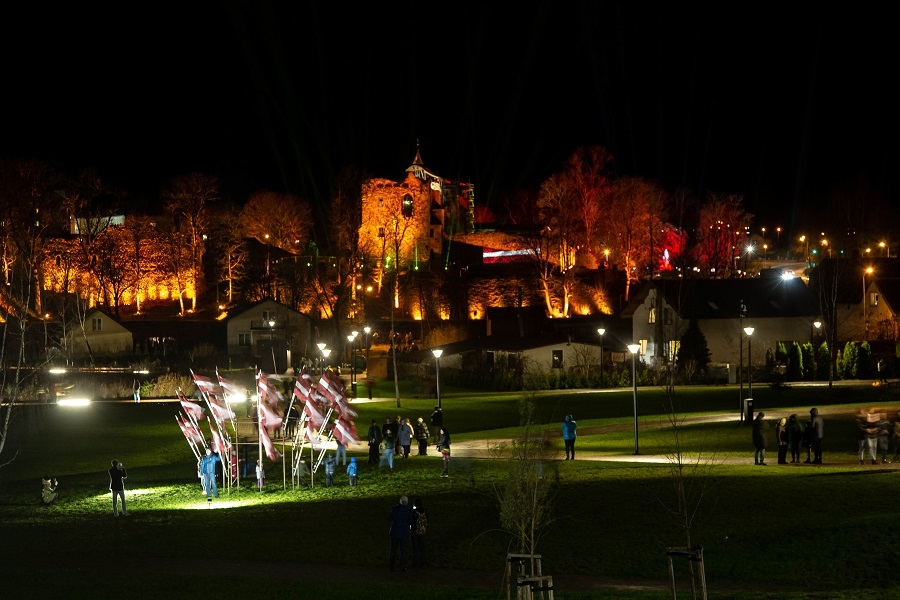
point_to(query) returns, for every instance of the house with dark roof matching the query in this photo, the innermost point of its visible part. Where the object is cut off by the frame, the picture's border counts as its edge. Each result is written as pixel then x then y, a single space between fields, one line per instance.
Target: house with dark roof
pixel 778 309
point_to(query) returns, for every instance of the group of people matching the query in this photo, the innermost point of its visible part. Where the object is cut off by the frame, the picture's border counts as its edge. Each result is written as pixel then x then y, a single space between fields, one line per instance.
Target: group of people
pixel 394 439
pixel 790 436
pixel 878 436
pixel 407 524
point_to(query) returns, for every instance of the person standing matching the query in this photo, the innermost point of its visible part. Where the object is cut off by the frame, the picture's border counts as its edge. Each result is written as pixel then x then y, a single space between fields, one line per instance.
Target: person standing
pixel 759 439
pixel 374 437
pixel 387 457
pixel 401 519
pixel 817 426
pixel 351 471
pixel 260 476
pixel 136 390
pixel 882 371
pixel 795 437
pixel 330 464
pixel 117 476
pixel 207 467
pixel 420 525
pixel 781 436
pixel 422 437
pixel 437 420
pixel 443 447
pixel 569 434
pixel 404 438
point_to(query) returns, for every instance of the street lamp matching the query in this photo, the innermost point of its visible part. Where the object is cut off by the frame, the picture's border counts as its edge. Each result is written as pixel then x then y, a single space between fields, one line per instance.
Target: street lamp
pixel 352 338
pixel 321 346
pixel 634 349
pixel 749 332
pixel 367 330
pixel 868 271
pixel 326 353
pixel 601 331
pixel 437 366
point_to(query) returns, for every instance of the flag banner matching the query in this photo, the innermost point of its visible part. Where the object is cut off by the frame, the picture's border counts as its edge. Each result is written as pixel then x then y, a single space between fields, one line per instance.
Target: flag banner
pixel 268 417
pixel 271 452
pixel 312 411
pixel 192 408
pixel 302 389
pixel 206 385
pixel 343 407
pixel 327 389
pixel 219 409
pixel 345 431
pixel 232 390
pixel 191 431
pixel 268 393
pixel 219 445
pixel 313 437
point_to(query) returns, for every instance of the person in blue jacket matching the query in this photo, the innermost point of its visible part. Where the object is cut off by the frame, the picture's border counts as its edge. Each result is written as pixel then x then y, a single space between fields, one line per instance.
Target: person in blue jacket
pixel 351 471
pixel 568 432
pixel 207 467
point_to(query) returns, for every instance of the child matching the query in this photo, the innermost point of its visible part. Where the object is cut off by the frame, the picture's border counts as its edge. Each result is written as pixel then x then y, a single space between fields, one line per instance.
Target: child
pixel 330 464
pixel 260 475
pixel 49 493
pixel 351 471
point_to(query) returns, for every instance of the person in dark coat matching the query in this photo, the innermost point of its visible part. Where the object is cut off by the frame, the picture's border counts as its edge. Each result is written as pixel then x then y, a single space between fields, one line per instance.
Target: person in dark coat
pixel 781 436
pixel 117 476
pixel 795 437
pixel 437 421
pixel 759 439
pixel 374 438
pixel 818 432
pixel 401 518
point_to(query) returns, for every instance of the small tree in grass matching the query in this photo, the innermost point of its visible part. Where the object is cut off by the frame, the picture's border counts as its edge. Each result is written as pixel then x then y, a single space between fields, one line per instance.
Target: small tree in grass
pixel 526 498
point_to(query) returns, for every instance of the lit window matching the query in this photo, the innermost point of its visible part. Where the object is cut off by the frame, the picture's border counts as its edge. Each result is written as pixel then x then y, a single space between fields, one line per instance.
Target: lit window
pixel 407 206
pixel 873 299
pixel 96 324
pixel 557 359
pixel 243 339
pixel 651 315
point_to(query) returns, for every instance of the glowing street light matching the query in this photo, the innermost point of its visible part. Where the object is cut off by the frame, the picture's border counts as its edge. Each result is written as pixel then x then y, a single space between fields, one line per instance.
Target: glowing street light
pixel 437 366
pixel 601 331
pixel 865 301
pixel 634 349
pixel 749 331
pixel 351 339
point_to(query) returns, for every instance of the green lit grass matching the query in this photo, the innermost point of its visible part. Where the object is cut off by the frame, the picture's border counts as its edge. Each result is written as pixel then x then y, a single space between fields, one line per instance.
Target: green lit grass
pixel 760 528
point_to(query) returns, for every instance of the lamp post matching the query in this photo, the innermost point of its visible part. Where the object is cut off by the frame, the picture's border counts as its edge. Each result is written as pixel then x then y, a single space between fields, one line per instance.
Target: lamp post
pixel 601 331
pixel 321 347
pixel 817 325
pixel 367 330
pixel 634 349
pixel 351 339
pixel 325 354
pixel 865 302
pixel 437 370
pixel 749 332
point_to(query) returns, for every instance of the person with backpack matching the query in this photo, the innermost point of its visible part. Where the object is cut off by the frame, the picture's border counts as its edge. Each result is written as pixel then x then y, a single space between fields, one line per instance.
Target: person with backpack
pixel 420 525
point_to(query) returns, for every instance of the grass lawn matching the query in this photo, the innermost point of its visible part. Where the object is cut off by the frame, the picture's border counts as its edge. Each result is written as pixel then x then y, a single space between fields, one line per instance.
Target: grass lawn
pixel 794 531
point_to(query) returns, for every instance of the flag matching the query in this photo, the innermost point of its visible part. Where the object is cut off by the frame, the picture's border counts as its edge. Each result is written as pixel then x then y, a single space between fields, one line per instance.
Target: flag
pixel 328 389
pixel 313 437
pixel 267 392
pixel 206 385
pixel 345 431
pixel 312 411
pixel 192 408
pixel 271 452
pixel 231 389
pixel 190 431
pixel 302 388
pixel 219 445
pixel 219 409
pixel 268 417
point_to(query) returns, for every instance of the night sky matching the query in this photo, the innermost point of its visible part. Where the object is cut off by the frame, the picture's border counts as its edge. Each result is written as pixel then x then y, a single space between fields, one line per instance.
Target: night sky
pixel 785 108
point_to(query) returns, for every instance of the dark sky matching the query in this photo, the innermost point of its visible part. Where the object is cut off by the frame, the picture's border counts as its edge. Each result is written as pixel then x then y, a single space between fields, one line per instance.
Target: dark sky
pixel 782 107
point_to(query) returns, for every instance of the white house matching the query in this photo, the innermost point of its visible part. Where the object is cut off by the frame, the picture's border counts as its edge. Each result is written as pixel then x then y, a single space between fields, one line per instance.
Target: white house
pixel 268 334
pixel 102 334
pixel 778 310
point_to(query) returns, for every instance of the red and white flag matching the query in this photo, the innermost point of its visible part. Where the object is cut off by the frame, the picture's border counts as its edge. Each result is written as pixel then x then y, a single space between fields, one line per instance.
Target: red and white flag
pixel 302 388
pixel 268 393
pixel 316 418
pixel 345 431
pixel 271 452
pixel 219 445
pixel 206 385
pixel 328 389
pixel 313 437
pixel 220 410
pixel 190 431
pixel 192 408
pixel 268 417
pixel 231 389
